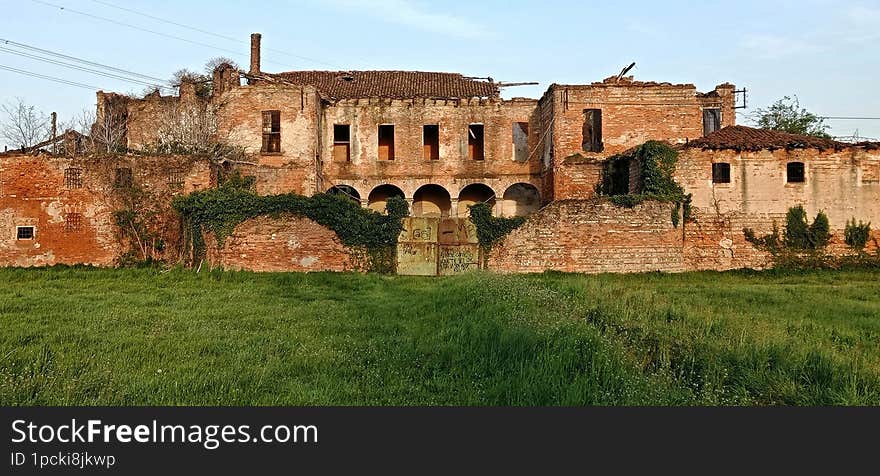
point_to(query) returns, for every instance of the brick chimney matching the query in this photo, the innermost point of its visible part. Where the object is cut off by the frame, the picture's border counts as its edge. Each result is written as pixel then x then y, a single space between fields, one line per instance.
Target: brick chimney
pixel 255 53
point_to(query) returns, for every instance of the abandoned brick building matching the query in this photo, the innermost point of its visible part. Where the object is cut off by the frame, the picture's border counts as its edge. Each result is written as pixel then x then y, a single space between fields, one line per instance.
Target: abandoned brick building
pixel 442 141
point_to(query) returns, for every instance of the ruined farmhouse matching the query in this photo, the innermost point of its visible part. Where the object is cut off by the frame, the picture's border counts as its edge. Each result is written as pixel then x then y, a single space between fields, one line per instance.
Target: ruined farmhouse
pixel 443 142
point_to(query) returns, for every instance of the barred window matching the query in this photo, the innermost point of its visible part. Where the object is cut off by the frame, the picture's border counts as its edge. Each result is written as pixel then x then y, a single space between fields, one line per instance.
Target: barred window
pixel 175 179
pixel 73 177
pixel 24 233
pixel 73 222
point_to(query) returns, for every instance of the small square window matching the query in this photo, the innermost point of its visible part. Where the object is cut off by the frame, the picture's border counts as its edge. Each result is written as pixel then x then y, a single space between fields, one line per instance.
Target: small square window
pixel 73 177
pixel 175 179
pixel 73 222
pixel 721 172
pixel 795 172
pixel 24 233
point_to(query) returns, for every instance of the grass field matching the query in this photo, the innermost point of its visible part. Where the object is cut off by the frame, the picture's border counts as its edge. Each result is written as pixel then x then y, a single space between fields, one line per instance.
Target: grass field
pixel 73 336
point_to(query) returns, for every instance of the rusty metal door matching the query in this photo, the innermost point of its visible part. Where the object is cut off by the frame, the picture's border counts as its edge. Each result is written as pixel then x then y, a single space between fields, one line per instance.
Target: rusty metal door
pixel 437 246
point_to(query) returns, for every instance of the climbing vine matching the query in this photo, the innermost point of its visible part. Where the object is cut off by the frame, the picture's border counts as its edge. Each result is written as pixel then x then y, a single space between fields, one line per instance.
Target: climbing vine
pixel 220 210
pixel 491 229
pixel 656 161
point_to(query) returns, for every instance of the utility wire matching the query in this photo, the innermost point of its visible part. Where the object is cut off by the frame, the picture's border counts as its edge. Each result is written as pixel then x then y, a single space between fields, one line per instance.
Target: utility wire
pixel 128 25
pixel 852 118
pixel 206 32
pixel 147 30
pixel 49 78
pixel 80 60
pixel 82 68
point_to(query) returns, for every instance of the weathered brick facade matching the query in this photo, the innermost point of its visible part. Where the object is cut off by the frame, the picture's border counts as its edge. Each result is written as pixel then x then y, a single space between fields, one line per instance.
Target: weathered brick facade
pixel 593 236
pixel 442 141
pixel 70 205
pixel 287 243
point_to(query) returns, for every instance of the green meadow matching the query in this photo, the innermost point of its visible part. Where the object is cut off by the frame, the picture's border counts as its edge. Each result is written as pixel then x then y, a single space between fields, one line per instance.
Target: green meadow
pixel 82 336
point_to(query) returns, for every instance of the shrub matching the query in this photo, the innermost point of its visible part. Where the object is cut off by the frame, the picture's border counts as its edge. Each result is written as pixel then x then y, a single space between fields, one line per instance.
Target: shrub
pixel 820 231
pixel 856 236
pixel 800 235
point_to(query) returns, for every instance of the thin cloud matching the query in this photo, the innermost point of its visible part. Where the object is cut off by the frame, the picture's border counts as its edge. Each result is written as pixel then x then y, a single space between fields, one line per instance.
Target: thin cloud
pixel 411 14
pixel 775 47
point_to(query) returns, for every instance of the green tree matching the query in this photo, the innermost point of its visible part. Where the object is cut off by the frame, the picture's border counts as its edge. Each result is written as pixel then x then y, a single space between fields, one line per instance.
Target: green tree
pixel 787 115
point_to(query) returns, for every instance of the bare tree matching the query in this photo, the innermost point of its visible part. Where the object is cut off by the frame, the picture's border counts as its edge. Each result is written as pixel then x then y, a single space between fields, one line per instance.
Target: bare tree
pixel 107 132
pixel 23 125
pixel 188 128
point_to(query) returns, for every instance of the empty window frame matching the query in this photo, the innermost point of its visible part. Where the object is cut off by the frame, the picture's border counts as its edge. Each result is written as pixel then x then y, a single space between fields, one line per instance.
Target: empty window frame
pixel 73 222
pixel 711 120
pixel 592 131
pixel 520 141
pixel 341 142
pixel 721 172
pixel 123 178
pixel 271 132
pixel 386 142
pixel 794 172
pixel 73 177
pixel 431 142
pixel 476 144
pixel 24 233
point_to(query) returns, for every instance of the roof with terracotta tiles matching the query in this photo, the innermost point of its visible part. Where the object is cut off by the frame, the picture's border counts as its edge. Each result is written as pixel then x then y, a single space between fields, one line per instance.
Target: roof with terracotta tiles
pixel 748 138
pixel 392 84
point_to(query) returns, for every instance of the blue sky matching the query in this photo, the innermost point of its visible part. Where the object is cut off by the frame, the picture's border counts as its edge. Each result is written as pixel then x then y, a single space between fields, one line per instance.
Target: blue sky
pixel 825 52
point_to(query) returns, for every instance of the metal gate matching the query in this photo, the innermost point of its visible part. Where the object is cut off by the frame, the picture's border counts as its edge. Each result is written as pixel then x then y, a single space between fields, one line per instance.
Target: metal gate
pixel 437 246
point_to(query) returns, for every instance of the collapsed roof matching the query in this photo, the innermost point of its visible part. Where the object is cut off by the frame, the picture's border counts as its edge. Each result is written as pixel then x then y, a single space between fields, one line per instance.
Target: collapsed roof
pixel 392 84
pixel 742 138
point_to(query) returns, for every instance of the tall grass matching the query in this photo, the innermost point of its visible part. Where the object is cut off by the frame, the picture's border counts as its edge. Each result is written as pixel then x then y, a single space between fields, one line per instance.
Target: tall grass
pixel 80 336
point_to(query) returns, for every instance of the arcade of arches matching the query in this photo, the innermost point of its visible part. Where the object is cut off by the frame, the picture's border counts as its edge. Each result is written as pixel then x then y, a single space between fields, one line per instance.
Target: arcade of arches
pixel 432 200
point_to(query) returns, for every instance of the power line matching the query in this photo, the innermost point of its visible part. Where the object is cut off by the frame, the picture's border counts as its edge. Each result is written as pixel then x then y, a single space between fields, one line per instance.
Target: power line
pixel 82 68
pixel 128 25
pixel 50 78
pixel 206 32
pixel 851 118
pixel 147 30
pixel 80 60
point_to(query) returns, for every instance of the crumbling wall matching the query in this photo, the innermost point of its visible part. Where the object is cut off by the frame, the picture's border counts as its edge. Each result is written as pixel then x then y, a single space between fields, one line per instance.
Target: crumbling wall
pixel 239 120
pixel 578 177
pixel 74 220
pixel 285 243
pixel 633 113
pixel 592 236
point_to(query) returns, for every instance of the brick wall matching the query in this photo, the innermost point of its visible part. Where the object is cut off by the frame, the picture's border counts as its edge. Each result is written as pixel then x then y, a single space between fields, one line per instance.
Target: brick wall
pixel 592 236
pixel 840 183
pixel 286 243
pixel 453 170
pixel 34 192
pixel 577 177
pixel 633 113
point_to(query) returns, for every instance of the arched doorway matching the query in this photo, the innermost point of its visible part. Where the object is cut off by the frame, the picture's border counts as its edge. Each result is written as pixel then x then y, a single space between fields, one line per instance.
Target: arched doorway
pixel 346 191
pixel 431 201
pixel 520 199
pixel 473 194
pixel 379 197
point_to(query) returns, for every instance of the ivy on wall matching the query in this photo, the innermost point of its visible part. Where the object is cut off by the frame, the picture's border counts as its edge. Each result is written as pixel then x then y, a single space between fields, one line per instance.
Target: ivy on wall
pixel 656 162
pixel 220 210
pixel 491 229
